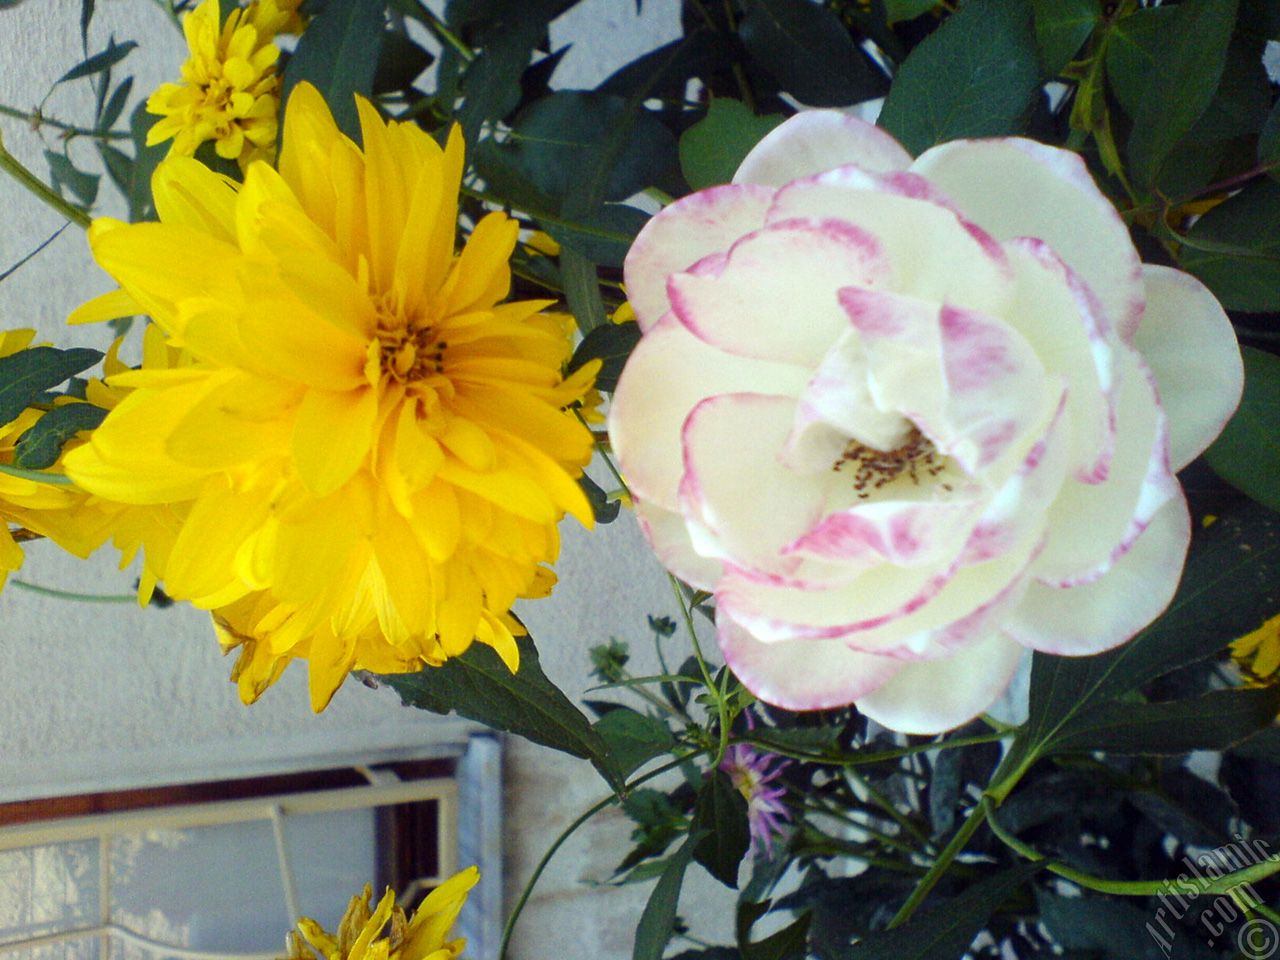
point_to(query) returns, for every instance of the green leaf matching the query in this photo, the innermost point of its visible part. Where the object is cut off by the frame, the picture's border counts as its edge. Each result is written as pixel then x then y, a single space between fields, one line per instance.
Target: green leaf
pixel 1263 745
pixel 721 811
pixel 948 929
pixel 611 343
pixel 1250 220
pixel 1193 50
pixel 789 943
pixel 479 686
pixel 28 373
pixel 1133 53
pixel 659 917
pixel 582 290
pixel 602 508
pixel 1230 575
pixel 39 447
pixel 338 54
pixel 105 60
pixel 603 237
pixel 975 76
pixel 400 63
pixel 1214 721
pixel 1269 141
pixel 144 164
pixel 809 52
pixel 491 83
pixel 84 186
pixel 818 739
pixel 712 149
pixel 1062 27
pixel 1247 453
pixel 896 11
pixel 1113 929
pixel 633 738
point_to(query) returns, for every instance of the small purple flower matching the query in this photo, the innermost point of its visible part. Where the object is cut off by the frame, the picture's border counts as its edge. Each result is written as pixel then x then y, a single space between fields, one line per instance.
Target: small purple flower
pixel 751 772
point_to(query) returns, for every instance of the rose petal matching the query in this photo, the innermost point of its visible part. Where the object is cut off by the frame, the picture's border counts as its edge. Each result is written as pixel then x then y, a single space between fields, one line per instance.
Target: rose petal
pixel 930 252
pixel 1014 187
pixel 785 270
pixel 668 534
pixel 933 696
pixel 1191 348
pixel 1092 525
pixel 683 233
pixel 668 374
pixel 1083 620
pixel 801 674
pixel 817 140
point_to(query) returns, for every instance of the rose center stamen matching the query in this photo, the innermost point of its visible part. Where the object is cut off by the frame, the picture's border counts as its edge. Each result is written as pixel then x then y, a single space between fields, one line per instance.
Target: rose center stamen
pixel 915 458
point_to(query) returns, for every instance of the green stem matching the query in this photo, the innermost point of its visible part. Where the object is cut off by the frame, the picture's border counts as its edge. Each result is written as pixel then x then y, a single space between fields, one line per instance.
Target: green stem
pixel 722 709
pixel 1128 888
pixel 887 806
pixel 80 597
pixel 830 810
pixel 39 120
pixel 860 759
pixel 38 476
pixel 35 185
pixel 565 834
pixel 442 32
pixel 940 865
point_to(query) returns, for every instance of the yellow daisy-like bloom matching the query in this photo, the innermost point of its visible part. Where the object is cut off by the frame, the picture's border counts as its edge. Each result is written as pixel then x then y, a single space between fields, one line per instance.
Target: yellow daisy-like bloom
pixel 359 936
pixel 374 451
pixel 1258 653
pixel 230 92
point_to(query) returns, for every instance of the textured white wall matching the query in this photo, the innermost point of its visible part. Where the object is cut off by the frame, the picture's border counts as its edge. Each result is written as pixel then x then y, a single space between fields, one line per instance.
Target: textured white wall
pixel 106 696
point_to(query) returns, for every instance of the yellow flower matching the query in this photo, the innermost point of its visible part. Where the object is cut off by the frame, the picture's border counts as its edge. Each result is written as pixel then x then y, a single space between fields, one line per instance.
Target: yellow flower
pixel 358 938
pixel 373 452
pixel 230 91
pixel 1258 652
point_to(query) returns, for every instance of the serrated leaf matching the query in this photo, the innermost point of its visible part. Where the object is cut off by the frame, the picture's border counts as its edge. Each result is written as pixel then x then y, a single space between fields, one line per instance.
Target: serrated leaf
pixel 26 374
pixel 338 54
pixel 633 739
pixel 975 76
pixel 712 149
pixel 479 686
pixel 721 811
pixel 1193 50
pixel 603 237
pixel 1248 220
pixel 1247 452
pixel 39 447
pixel 809 52
pixel 947 929
pixel 108 58
pixel 84 186
pixel 659 917
pixel 612 343
pixel 1062 27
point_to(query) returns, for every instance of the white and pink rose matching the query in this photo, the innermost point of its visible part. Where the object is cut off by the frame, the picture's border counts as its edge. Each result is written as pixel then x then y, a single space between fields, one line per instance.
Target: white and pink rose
pixel 906 419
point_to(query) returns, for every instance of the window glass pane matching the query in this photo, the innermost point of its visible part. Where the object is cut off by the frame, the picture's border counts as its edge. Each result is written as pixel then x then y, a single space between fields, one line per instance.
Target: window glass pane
pixel 48 888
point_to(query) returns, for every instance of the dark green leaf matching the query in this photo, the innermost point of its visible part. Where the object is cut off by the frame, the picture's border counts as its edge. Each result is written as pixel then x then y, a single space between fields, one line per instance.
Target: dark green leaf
pixel 945 782
pixel 712 149
pixel 602 508
pixel 146 159
pixel 1264 745
pixel 39 447
pixel 1133 51
pixel 604 237
pixel 667 70
pixel 1269 141
pixel 1193 50
pixel 400 63
pixel 1214 721
pixel 611 343
pixel 789 943
pixel 582 290
pixel 491 83
pixel 659 917
pixel 338 54
pixel 895 11
pixel 479 686
pixel 721 811
pixel 817 739
pixel 99 61
pixel 1240 104
pixel 10 271
pixel 1250 220
pixel 115 105
pixel 84 186
pixel 1231 573
pixel 1113 929
pixel 948 929
pixel 975 76
pixel 632 738
pixel 710 953
pixel 1062 27
pixel 1247 454
pixel 809 52
pixel 26 374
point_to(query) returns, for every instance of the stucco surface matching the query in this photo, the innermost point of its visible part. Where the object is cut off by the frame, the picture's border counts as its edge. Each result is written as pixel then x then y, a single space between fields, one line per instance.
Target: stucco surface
pixel 104 696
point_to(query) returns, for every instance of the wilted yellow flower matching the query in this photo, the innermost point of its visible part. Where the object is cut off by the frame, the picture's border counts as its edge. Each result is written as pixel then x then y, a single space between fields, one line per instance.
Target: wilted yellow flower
pixel 230 92
pixel 359 936
pixel 1258 652
pixel 375 451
